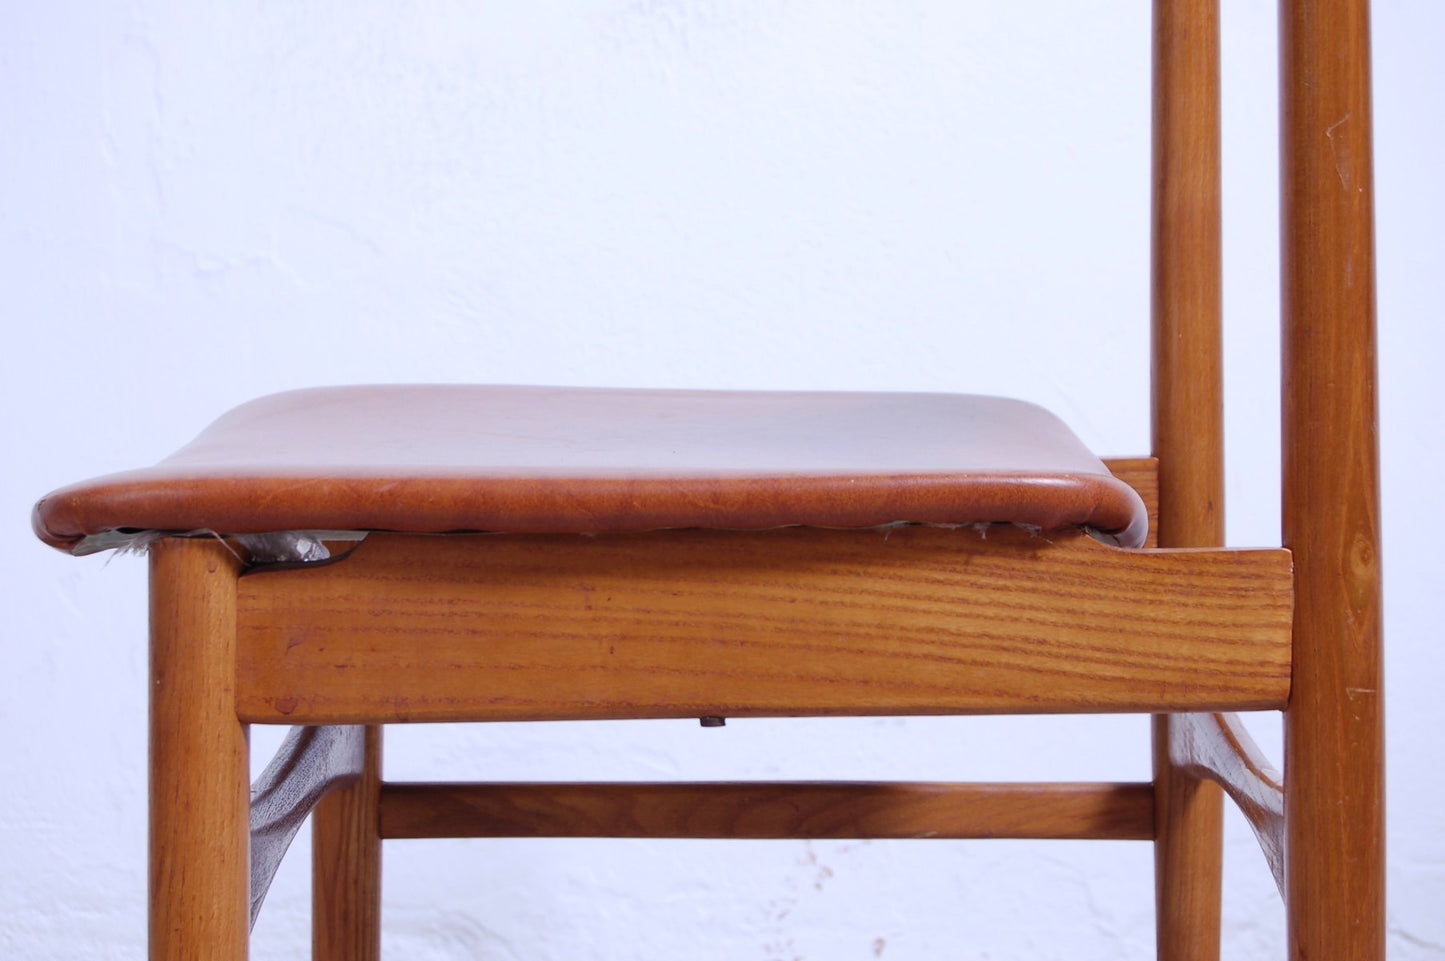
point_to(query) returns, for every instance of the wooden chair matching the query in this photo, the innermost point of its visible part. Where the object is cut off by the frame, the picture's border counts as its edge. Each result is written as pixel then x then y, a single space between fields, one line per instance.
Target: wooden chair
pixel 534 554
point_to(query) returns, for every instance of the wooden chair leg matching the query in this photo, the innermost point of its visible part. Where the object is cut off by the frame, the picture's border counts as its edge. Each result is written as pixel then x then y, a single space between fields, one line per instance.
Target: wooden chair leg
pixel 1334 736
pixel 346 867
pixel 199 758
pixel 1334 837
pixel 1188 426
pixel 1188 858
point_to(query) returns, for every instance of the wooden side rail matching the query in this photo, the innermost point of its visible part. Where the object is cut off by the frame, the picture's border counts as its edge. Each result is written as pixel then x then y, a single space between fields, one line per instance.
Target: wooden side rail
pixel 311 762
pixel 1217 747
pixel 796 621
pixel 769 810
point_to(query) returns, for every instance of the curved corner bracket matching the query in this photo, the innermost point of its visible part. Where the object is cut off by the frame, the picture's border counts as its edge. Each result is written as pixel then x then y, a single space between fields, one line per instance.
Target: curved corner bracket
pixel 311 763
pixel 1217 747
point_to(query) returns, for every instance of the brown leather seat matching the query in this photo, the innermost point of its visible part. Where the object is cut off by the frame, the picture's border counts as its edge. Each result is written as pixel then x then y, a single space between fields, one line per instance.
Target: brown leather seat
pixel 426 459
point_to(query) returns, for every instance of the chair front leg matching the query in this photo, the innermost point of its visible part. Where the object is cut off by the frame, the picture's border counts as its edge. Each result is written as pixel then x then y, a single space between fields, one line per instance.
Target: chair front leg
pixel 199 758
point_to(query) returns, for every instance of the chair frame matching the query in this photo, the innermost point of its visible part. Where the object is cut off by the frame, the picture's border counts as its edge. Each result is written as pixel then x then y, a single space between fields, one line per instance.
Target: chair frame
pixel 1296 628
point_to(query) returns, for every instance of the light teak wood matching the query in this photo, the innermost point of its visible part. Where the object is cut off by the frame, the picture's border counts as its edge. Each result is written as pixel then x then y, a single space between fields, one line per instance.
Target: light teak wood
pixel 913 620
pixel 199 790
pixel 1188 426
pixel 1186 374
pixel 346 866
pixel 1334 778
pixel 769 810
pixel 1188 853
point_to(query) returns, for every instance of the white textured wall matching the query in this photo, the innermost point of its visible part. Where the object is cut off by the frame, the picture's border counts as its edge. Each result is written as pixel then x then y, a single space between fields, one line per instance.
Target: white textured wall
pixel 200 203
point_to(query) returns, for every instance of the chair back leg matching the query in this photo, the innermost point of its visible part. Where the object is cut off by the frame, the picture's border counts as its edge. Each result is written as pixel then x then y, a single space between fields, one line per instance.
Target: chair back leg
pixel 1334 783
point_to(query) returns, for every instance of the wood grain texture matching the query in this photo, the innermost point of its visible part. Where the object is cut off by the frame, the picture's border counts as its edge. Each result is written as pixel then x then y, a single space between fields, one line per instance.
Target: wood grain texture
pixel 1217 747
pixel 199 760
pixel 1188 426
pixel 1188 853
pixel 769 810
pixel 1334 788
pixel 909 620
pixel 310 763
pixel 1188 405
pixel 346 866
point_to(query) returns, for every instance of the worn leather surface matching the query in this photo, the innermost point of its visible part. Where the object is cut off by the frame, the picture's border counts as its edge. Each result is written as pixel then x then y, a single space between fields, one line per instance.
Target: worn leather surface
pixel 539 459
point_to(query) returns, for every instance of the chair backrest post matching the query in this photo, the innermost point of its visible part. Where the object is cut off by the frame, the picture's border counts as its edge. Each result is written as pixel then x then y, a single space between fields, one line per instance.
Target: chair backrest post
pixel 1187 425
pixel 1334 727
pixel 1188 410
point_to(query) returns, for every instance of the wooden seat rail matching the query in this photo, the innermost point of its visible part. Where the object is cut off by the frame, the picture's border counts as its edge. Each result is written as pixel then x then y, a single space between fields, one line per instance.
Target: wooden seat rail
pixel 912 620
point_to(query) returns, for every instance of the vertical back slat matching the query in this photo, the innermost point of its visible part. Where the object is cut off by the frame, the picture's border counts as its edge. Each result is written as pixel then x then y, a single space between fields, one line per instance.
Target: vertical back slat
pixel 1188 426
pixel 1188 418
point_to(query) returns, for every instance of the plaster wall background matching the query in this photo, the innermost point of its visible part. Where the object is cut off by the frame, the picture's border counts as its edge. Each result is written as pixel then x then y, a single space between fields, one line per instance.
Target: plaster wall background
pixel 202 203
